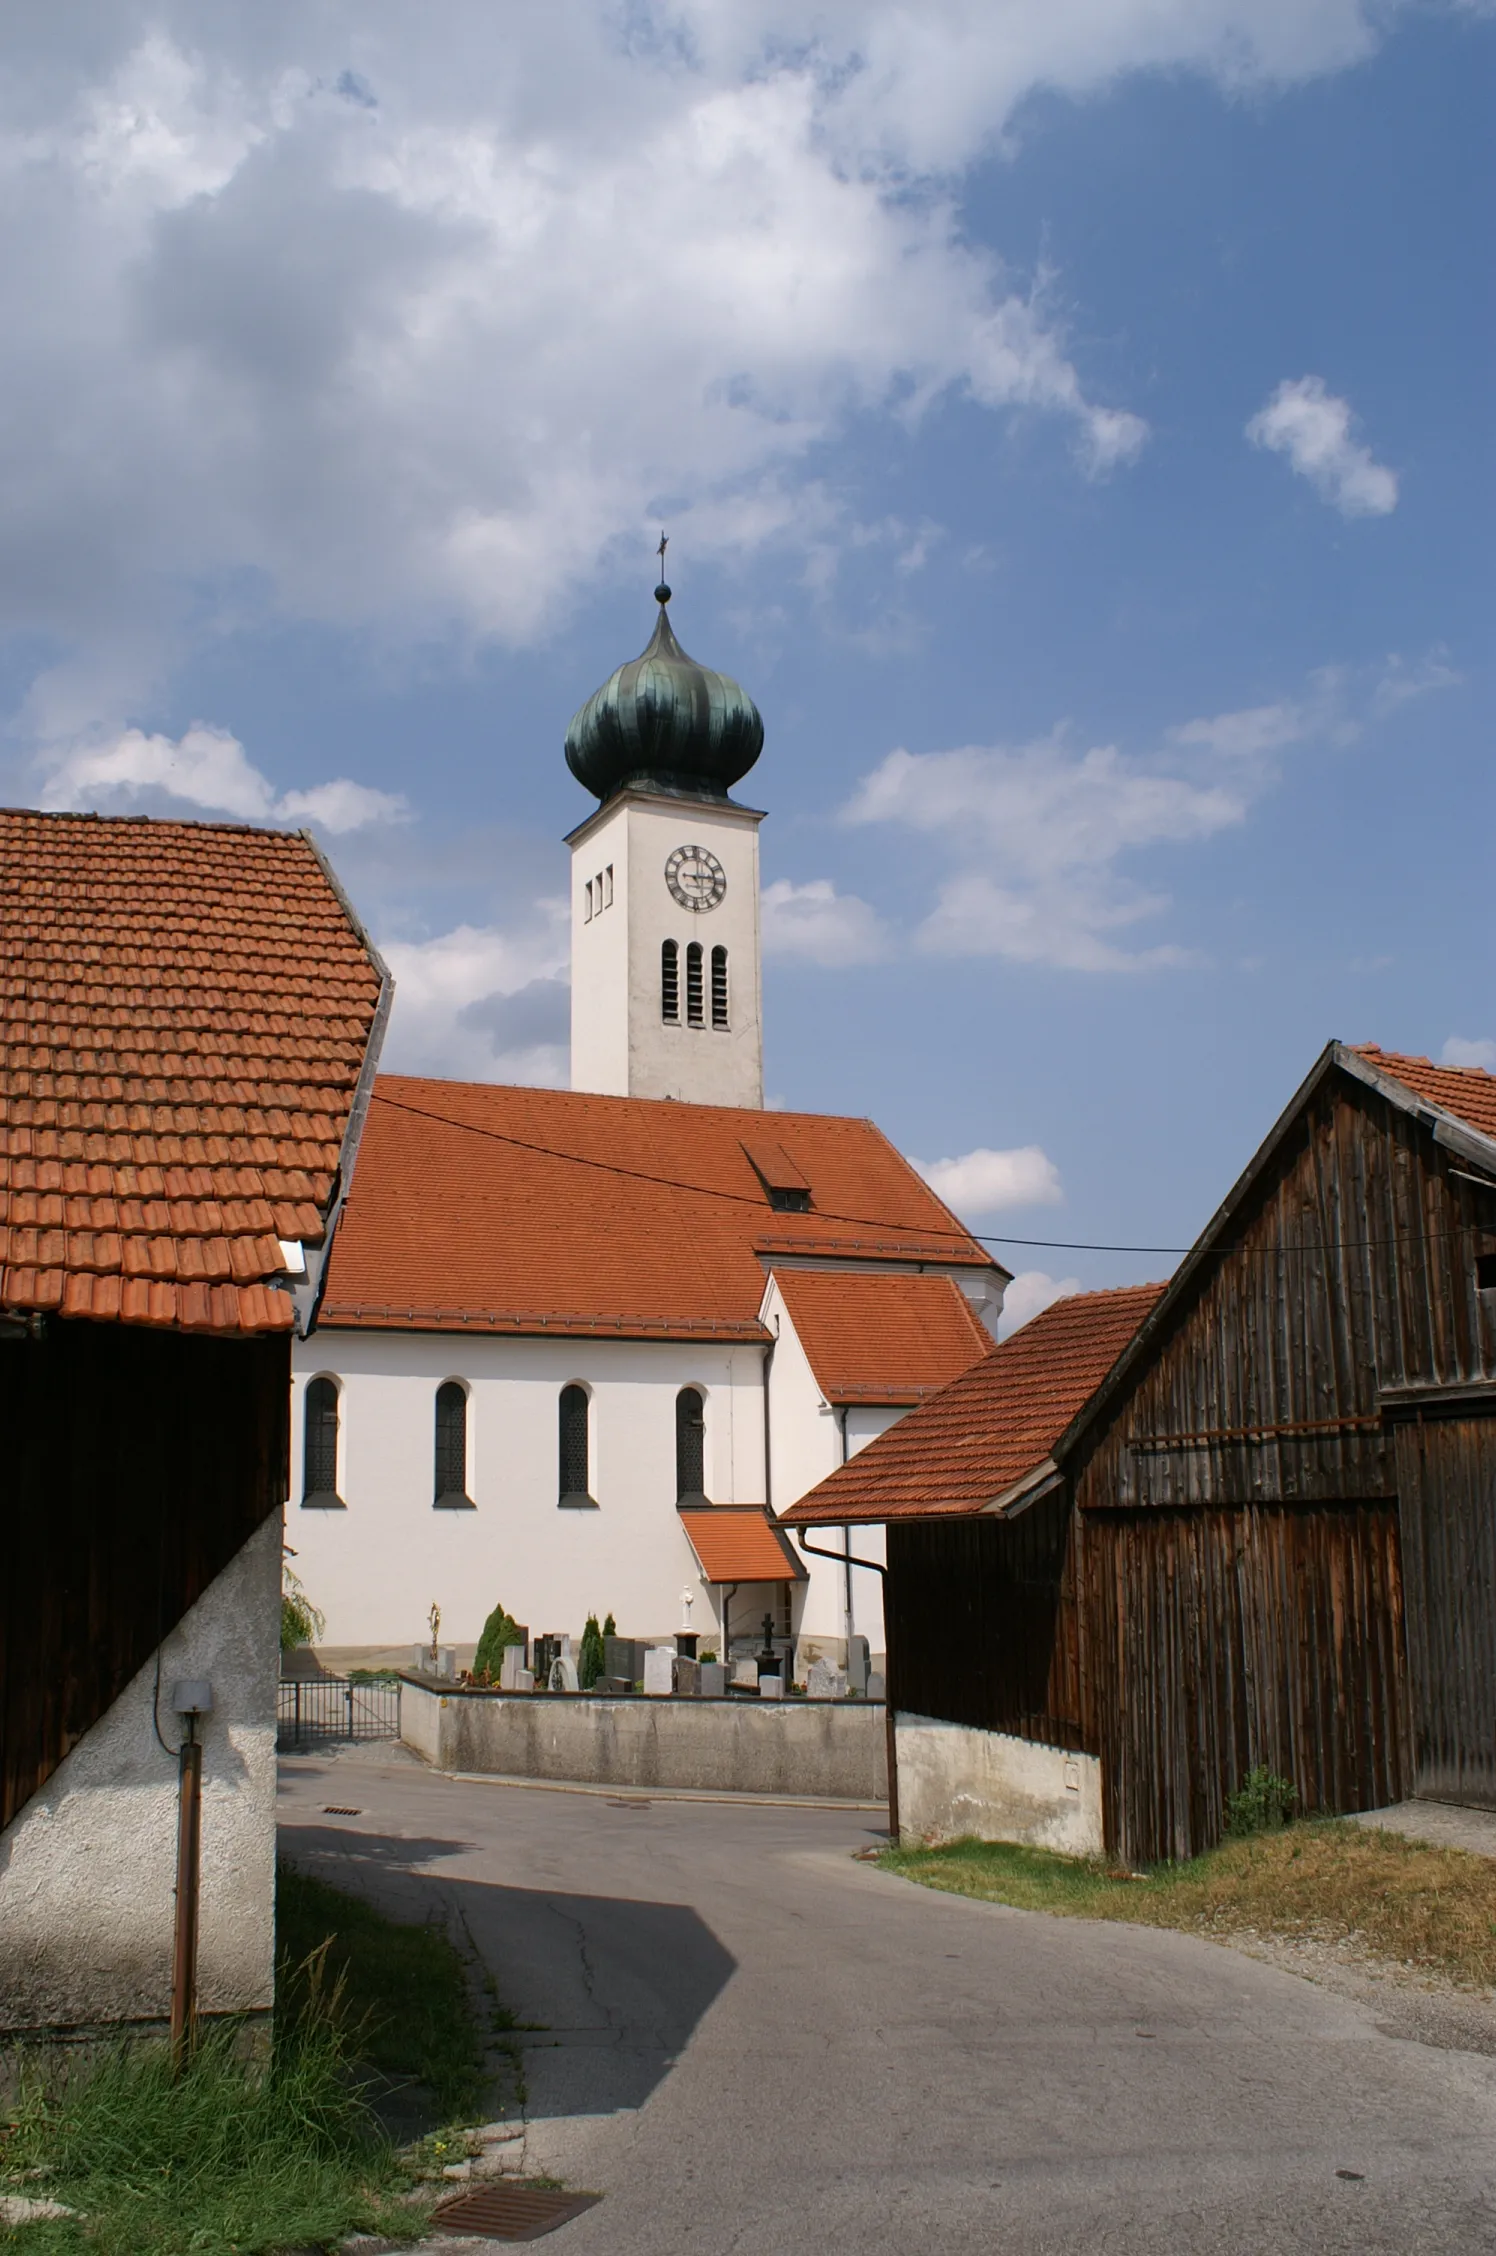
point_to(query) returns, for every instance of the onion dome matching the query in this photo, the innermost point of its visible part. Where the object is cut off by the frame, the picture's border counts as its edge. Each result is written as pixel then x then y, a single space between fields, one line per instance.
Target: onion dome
pixel 663 723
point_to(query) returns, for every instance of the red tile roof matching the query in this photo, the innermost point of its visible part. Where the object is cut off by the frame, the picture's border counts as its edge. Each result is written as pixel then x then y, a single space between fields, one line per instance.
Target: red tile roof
pixel 989 1429
pixel 184 1014
pixel 882 1337
pixel 740 1543
pixel 1465 1090
pixel 497 1209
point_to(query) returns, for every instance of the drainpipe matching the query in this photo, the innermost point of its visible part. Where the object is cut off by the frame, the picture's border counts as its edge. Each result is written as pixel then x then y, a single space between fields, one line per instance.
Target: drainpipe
pixel 848 1620
pixel 768 1457
pixel 818 1551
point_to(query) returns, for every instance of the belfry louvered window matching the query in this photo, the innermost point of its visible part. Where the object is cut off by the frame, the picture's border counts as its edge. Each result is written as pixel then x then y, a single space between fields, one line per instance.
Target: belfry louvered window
pixel 694 1012
pixel 450 1488
pixel 670 983
pixel 690 1447
pixel 719 987
pixel 574 1468
pixel 319 1453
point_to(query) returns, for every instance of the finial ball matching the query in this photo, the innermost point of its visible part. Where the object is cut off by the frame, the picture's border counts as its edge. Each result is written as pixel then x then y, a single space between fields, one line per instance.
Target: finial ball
pixel 662 593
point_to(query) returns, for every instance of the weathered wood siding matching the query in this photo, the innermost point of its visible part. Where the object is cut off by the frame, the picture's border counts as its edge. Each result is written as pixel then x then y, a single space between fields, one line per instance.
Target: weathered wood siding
pixel 983 1626
pixel 1447 1486
pixel 1222 1640
pixel 137 1463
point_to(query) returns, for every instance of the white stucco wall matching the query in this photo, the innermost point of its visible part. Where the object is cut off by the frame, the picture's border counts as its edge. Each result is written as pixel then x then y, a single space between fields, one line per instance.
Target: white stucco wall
pixel 620 1045
pixel 956 1782
pixel 88 1866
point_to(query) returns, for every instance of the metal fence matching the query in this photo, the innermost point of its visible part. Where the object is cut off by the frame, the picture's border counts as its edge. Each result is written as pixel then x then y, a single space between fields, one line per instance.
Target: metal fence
pixel 318 1708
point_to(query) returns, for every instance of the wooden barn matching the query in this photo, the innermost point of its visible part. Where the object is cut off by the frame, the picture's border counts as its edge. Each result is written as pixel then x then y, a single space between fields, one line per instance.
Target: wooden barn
pixel 1247 1519
pixel 189 1017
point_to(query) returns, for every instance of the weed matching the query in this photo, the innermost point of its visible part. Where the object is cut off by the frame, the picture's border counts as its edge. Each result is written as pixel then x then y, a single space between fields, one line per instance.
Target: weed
pixel 1264 1803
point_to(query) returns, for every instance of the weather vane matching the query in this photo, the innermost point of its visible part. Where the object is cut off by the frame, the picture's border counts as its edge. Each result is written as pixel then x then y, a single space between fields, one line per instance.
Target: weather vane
pixel 662 592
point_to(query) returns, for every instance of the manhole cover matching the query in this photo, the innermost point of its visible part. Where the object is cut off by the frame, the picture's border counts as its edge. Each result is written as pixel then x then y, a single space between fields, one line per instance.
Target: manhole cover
pixel 511 2212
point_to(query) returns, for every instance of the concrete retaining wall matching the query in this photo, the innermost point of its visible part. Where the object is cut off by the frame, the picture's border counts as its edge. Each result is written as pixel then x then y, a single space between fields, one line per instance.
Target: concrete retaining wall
pixel 827 1749
pixel 956 1782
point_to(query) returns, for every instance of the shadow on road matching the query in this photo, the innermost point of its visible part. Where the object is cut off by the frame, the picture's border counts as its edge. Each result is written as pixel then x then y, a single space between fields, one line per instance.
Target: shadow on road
pixel 611 1987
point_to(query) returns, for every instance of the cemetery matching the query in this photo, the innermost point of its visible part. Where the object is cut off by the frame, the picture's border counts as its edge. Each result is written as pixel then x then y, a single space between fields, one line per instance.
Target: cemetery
pixel 624 1712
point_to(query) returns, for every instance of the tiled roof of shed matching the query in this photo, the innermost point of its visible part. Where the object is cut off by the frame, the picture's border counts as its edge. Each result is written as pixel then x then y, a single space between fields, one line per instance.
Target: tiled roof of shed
pixel 882 1337
pixel 972 1442
pixel 492 1209
pixel 740 1543
pixel 1468 1091
pixel 184 1014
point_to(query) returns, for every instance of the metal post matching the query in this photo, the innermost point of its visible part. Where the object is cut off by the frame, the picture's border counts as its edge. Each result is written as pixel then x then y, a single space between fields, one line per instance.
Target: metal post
pixel 184 1941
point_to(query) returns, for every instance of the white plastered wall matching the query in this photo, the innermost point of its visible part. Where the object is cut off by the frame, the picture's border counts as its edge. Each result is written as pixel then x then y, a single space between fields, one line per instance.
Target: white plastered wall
pixel 88 1866
pixel 956 1783
pixel 620 1044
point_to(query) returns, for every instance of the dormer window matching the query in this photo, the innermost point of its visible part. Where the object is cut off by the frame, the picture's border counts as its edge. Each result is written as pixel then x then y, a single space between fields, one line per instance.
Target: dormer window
pixel 786 1185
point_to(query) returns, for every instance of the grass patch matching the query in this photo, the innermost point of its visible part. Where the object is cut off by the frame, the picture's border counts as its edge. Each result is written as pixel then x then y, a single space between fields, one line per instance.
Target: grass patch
pixel 1429 1908
pixel 405 1987
pixel 230 2159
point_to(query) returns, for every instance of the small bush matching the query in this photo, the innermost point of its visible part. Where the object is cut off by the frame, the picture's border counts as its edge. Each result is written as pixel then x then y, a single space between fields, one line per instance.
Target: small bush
pixel 301 1622
pixel 1263 1803
pixel 500 1630
pixel 591 1660
pixel 610 1627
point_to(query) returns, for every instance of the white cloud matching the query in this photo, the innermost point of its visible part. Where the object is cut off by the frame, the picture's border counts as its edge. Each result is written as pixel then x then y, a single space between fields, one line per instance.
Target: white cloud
pixel 481 1003
pixel 1312 427
pixel 1458 1051
pixel 1031 1291
pixel 1039 835
pixel 988 1182
pixel 371 326
pixel 816 923
pixel 204 767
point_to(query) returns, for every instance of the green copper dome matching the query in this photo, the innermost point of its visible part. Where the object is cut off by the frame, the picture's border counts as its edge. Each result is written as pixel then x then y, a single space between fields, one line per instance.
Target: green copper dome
pixel 663 723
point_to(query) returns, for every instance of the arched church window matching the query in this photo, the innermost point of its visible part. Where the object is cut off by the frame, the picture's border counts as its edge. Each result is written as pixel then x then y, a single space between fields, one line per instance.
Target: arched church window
pixel 694 1012
pixel 450 1491
pixel 574 1469
pixel 319 1450
pixel 719 987
pixel 670 983
pixel 690 1447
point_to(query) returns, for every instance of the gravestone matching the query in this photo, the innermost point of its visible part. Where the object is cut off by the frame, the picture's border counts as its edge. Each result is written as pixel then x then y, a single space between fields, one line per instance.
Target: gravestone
pixel 614 1684
pixel 771 1687
pixel 745 1672
pixel 711 1680
pixel 687 1672
pixel 563 1674
pixel 877 1685
pixel 824 1681
pixel 857 1664
pixel 513 1675
pixel 659 1670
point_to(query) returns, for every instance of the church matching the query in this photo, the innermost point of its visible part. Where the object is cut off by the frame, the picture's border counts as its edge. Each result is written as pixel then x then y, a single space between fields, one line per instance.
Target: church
pixel 579 1350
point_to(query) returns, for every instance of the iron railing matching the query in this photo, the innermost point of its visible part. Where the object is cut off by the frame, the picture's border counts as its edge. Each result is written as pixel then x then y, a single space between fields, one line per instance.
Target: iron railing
pixel 334 1707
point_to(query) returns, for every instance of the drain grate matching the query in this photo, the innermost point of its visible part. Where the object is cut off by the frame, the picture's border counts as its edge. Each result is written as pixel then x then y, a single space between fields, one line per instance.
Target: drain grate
pixel 511 2212
pixel 337 1809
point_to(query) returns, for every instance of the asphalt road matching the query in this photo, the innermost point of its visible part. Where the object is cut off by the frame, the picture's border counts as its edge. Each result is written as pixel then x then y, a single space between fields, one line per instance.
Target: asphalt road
pixel 755 2044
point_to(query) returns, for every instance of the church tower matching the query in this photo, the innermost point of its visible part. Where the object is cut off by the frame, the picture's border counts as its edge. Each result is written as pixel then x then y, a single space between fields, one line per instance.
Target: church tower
pixel 665 984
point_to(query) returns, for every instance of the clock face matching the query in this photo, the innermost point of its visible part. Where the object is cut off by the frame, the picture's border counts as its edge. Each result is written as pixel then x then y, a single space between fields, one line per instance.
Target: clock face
pixel 696 878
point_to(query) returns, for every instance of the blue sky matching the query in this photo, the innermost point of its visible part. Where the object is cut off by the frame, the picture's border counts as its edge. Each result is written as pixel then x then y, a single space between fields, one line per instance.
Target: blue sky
pixel 1073 429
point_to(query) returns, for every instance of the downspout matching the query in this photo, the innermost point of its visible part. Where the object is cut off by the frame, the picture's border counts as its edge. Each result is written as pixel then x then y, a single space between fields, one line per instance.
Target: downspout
pixel 768 1454
pixel 818 1551
pixel 848 1622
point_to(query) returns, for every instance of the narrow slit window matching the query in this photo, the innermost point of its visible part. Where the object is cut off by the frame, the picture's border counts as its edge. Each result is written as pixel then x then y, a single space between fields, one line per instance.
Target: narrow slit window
pixel 719 987
pixel 695 1015
pixel 451 1444
pixel 608 886
pixel 587 914
pixel 690 1447
pixel 319 1463
pixel 670 983
pixel 575 1471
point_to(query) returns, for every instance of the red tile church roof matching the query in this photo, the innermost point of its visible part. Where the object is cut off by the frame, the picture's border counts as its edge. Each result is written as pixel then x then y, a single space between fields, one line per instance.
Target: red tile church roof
pixel 882 1337
pixel 486 1208
pixel 989 1429
pixel 185 1010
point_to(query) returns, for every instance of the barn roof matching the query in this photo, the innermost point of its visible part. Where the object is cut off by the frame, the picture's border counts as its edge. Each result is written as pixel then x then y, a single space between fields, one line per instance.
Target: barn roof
pixel 188 1019
pixel 552 1211
pixel 985 1440
pixel 882 1337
